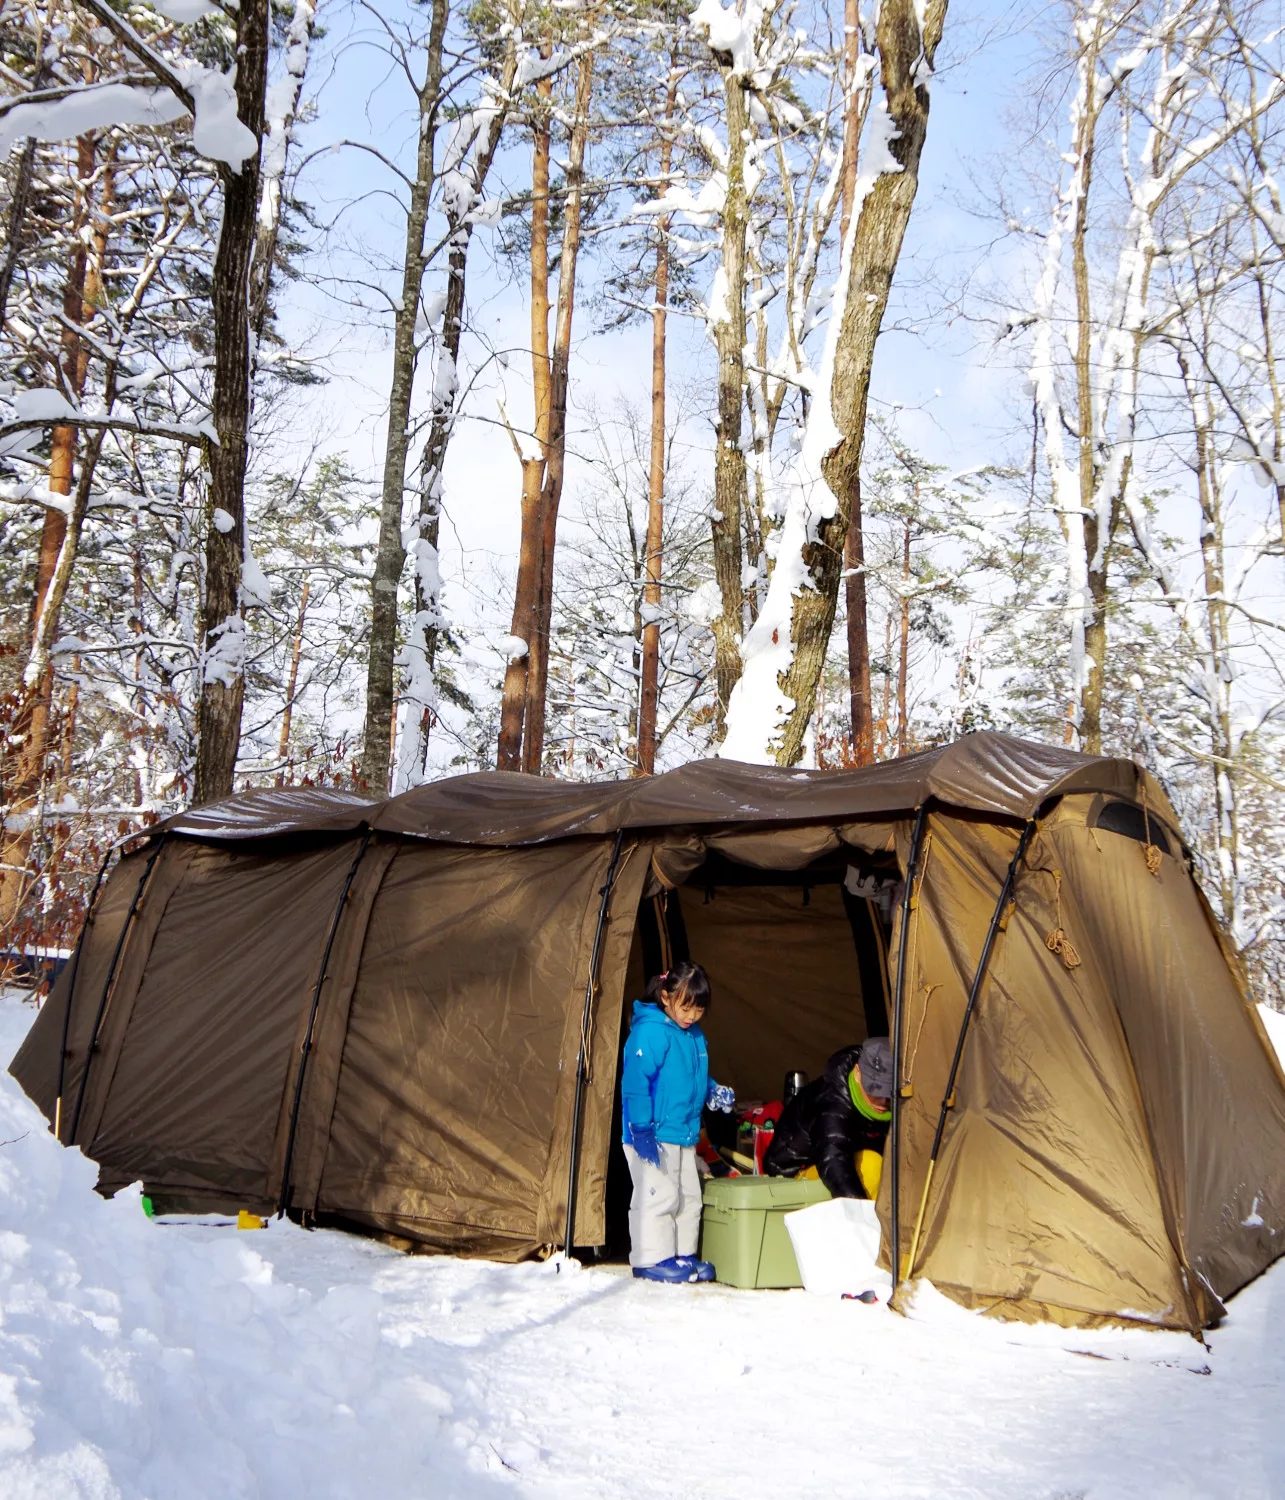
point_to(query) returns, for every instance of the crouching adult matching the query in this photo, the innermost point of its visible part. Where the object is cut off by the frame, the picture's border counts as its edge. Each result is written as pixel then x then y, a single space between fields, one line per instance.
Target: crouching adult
pixel 838 1123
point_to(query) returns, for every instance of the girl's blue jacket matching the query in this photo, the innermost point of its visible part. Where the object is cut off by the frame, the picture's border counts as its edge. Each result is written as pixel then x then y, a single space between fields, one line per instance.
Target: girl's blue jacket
pixel 665 1076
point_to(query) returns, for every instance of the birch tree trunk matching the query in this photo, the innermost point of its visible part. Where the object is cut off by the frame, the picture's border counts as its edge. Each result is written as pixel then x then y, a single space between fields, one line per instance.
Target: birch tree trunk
pixel 390 554
pixel 222 620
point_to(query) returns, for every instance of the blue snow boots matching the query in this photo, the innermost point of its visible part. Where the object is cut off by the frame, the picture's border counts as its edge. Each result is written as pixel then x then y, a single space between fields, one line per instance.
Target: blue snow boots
pixel 678 1268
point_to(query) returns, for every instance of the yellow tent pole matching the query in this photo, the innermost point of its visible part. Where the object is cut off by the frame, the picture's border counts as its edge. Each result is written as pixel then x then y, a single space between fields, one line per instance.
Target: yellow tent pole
pixel 919 1223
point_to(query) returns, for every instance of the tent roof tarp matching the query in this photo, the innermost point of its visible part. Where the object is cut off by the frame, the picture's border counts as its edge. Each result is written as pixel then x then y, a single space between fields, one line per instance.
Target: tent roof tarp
pixel 988 773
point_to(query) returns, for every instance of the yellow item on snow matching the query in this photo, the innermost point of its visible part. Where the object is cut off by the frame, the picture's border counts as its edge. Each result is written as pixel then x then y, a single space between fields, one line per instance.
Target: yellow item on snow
pixel 246 1220
pixel 869 1165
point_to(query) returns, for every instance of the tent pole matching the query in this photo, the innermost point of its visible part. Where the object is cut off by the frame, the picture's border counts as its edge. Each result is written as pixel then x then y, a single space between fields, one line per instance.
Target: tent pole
pixel 591 986
pixel 898 1011
pixel 948 1100
pixel 306 1048
pixel 108 983
pixel 71 988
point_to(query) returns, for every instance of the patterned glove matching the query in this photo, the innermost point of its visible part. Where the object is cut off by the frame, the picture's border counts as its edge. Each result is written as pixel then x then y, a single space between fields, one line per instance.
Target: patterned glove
pixel 643 1139
pixel 720 1097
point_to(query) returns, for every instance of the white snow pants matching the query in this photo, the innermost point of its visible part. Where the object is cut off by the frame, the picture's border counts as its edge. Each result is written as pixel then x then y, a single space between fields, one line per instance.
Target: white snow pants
pixel 665 1210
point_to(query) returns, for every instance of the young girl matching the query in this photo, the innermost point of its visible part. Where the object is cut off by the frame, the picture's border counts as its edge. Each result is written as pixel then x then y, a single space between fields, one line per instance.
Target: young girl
pixel 665 1083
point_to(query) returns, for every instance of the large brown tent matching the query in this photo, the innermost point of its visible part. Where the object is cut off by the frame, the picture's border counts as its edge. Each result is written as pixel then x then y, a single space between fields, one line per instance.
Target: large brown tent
pixel 406 1015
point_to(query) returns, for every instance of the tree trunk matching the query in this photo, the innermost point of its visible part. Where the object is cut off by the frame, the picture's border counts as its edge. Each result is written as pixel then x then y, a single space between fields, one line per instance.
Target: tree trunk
pixel 649 697
pixel 24 177
pixel 860 707
pixel 852 114
pixel 272 170
pixel 884 741
pixel 390 554
pixel 905 57
pixel 1095 644
pixel 292 683
pixel 14 236
pixel 856 601
pixel 556 447
pixel 903 654
pixel 222 622
pixel 1089 628
pixel 526 586
pixel 730 478
pixel 426 625
pixel 1221 676
pixel 24 776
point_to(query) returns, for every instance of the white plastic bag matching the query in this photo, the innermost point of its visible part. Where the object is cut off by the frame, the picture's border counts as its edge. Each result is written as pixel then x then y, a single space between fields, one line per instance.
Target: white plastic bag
pixel 836 1244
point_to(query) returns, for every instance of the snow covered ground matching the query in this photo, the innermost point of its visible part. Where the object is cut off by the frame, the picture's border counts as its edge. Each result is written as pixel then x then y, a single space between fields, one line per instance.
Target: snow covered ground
pixel 140 1359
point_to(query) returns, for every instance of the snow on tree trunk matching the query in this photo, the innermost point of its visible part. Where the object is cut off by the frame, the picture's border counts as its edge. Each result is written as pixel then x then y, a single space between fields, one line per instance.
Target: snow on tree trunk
pixel 860 707
pixel 59 537
pixel 725 315
pixel 281 106
pixel 222 661
pixel 390 554
pixel 466 164
pixel 1104 340
pixel 785 652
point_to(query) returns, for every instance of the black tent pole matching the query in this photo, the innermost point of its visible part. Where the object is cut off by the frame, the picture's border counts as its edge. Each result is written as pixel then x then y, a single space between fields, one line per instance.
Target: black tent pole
pixel 283 1202
pixel 898 1012
pixel 126 927
pixel 948 1099
pixel 71 988
pixel 591 985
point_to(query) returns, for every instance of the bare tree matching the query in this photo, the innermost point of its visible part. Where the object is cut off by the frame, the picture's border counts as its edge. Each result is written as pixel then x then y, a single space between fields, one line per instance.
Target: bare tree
pixel 521 738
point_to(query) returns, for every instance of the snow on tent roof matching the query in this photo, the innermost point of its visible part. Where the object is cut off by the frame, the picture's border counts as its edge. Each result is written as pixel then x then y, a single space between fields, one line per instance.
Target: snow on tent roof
pixel 987 772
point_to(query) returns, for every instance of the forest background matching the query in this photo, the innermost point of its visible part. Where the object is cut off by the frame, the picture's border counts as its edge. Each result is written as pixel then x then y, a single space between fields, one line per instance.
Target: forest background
pixel 393 389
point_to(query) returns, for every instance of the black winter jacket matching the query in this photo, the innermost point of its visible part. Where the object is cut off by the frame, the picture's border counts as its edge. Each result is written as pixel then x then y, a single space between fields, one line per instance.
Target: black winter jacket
pixel 822 1127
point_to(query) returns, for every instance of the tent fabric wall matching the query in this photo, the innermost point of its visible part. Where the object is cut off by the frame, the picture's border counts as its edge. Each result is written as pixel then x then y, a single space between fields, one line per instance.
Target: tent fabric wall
pixel 36 1063
pixel 198 1063
pixel 1045 1192
pixel 101 1019
pixel 451 1110
pixel 1114 1147
pixel 1215 1112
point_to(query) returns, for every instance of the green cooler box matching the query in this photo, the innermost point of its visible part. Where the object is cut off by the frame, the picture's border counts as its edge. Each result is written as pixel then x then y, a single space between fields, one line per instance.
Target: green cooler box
pixel 743 1228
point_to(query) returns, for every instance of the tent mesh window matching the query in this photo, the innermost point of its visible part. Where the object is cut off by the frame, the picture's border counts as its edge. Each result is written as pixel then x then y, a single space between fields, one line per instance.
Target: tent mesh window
pixel 1129 819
